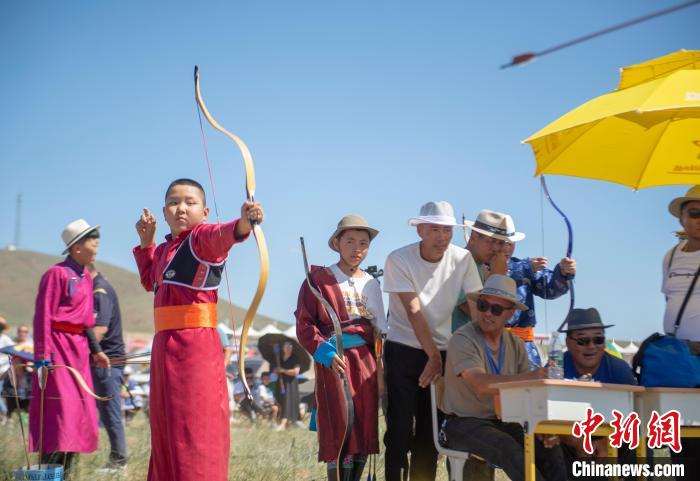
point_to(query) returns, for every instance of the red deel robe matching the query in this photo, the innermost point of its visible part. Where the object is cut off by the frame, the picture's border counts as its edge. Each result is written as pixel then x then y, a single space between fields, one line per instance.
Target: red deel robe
pixel 314 327
pixel 190 438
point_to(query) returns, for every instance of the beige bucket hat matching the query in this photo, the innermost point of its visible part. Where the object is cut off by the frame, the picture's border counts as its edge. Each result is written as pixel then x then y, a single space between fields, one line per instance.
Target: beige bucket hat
pixel 499 286
pixel 352 221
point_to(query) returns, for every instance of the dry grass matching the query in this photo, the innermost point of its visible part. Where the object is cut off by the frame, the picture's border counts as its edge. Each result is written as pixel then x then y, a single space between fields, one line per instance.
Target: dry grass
pixel 256 454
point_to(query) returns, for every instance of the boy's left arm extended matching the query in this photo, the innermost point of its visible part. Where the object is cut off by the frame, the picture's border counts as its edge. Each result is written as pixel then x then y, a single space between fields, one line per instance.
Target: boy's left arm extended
pixel 211 242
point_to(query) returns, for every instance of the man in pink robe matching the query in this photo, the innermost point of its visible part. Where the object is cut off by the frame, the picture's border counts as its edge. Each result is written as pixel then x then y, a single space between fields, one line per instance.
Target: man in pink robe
pixel 63 312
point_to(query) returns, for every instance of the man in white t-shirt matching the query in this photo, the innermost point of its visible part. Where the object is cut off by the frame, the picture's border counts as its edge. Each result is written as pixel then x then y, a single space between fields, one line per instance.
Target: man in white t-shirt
pixel 424 282
pixel 679 267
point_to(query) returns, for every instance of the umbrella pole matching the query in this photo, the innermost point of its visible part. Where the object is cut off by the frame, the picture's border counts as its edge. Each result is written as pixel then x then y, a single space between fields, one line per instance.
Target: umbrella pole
pixel 280 379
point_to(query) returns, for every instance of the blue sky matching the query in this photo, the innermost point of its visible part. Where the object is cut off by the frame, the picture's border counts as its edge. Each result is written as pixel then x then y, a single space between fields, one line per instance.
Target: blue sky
pixel 366 107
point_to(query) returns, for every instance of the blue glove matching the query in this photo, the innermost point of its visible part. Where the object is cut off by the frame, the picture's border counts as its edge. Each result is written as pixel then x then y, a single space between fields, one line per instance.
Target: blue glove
pixel 312 423
pixel 325 354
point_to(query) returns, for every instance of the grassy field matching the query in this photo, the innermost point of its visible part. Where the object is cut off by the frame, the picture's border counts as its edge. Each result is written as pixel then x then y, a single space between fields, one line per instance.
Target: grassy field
pixel 257 453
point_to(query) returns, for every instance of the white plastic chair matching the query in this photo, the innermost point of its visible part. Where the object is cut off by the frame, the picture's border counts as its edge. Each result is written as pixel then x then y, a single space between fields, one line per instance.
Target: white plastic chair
pixel 456 458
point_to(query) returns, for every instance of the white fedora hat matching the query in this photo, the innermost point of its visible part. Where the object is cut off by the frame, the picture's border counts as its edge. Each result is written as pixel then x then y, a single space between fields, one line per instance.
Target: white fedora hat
pixel 440 213
pixel 75 231
pixel 498 285
pixel 495 224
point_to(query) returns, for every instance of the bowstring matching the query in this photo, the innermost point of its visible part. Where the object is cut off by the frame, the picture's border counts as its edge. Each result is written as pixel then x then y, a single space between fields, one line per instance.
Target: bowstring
pixel 546 317
pixel 232 323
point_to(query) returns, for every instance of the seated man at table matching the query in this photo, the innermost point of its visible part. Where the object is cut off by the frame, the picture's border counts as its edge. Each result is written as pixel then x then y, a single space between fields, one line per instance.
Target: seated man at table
pixel 586 356
pixel 480 354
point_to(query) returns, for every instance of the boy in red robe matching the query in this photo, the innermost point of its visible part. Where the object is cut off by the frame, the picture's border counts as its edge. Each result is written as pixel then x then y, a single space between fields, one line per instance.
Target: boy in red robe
pixel 356 298
pixel 189 397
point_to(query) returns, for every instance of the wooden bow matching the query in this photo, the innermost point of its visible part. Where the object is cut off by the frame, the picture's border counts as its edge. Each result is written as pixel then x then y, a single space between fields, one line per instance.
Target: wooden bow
pixel 257 232
pixel 42 373
pixel 350 407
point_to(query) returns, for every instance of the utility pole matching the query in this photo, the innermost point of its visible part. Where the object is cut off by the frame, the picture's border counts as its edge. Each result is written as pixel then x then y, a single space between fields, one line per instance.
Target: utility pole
pixel 18 221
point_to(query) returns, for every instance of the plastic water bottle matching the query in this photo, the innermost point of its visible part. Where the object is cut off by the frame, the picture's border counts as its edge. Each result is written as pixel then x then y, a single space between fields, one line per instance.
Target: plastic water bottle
pixel 555 363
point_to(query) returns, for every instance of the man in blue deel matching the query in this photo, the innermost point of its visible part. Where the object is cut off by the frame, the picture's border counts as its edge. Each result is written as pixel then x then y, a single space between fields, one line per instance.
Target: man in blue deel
pixel 108 381
pixel 586 355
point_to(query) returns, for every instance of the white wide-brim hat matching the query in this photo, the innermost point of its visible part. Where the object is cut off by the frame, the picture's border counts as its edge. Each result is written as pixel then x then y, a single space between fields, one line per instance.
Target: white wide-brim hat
pixel 495 224
pixel 75 231
pixel 440 213
pixel 693 194
pixel 498 285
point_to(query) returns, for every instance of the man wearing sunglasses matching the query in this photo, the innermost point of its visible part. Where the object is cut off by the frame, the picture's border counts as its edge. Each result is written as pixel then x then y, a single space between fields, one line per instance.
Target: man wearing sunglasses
pixel 586 354
pixel 480 354
pixel 679 268
pixel 490 244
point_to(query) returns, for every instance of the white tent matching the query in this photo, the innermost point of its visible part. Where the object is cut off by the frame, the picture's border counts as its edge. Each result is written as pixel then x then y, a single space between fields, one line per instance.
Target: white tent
pixel 252 332
pixel 268 329
pixel 291 331
pixel 631 348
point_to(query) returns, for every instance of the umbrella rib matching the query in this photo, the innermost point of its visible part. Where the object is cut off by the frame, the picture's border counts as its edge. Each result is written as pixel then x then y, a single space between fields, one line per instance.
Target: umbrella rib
pixel 651 154
pixel 542 171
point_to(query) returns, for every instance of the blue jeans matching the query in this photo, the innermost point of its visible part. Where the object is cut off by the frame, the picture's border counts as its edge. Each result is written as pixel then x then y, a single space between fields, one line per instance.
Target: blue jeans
pixel 108 382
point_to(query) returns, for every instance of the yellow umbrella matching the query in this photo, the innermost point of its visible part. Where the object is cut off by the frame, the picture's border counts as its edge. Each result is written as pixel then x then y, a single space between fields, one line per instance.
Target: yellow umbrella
pixel 645 133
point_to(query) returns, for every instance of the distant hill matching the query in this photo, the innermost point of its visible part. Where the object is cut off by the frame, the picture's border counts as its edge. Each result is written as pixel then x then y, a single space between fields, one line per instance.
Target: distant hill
pixel 22 270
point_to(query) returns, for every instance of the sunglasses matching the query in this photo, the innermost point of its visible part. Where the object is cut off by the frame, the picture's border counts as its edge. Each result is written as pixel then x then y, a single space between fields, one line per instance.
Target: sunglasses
pixel 497 242
pixel 496 309
pixel 694 213
pixel 584 341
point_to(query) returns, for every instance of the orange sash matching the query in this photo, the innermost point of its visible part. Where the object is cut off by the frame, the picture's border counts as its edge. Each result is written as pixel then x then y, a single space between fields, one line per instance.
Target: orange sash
pixel 524 333
pixel 185 317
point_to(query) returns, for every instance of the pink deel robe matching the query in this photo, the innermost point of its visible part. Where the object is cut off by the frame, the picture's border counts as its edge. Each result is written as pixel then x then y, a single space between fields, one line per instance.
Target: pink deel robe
pixel 70 419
